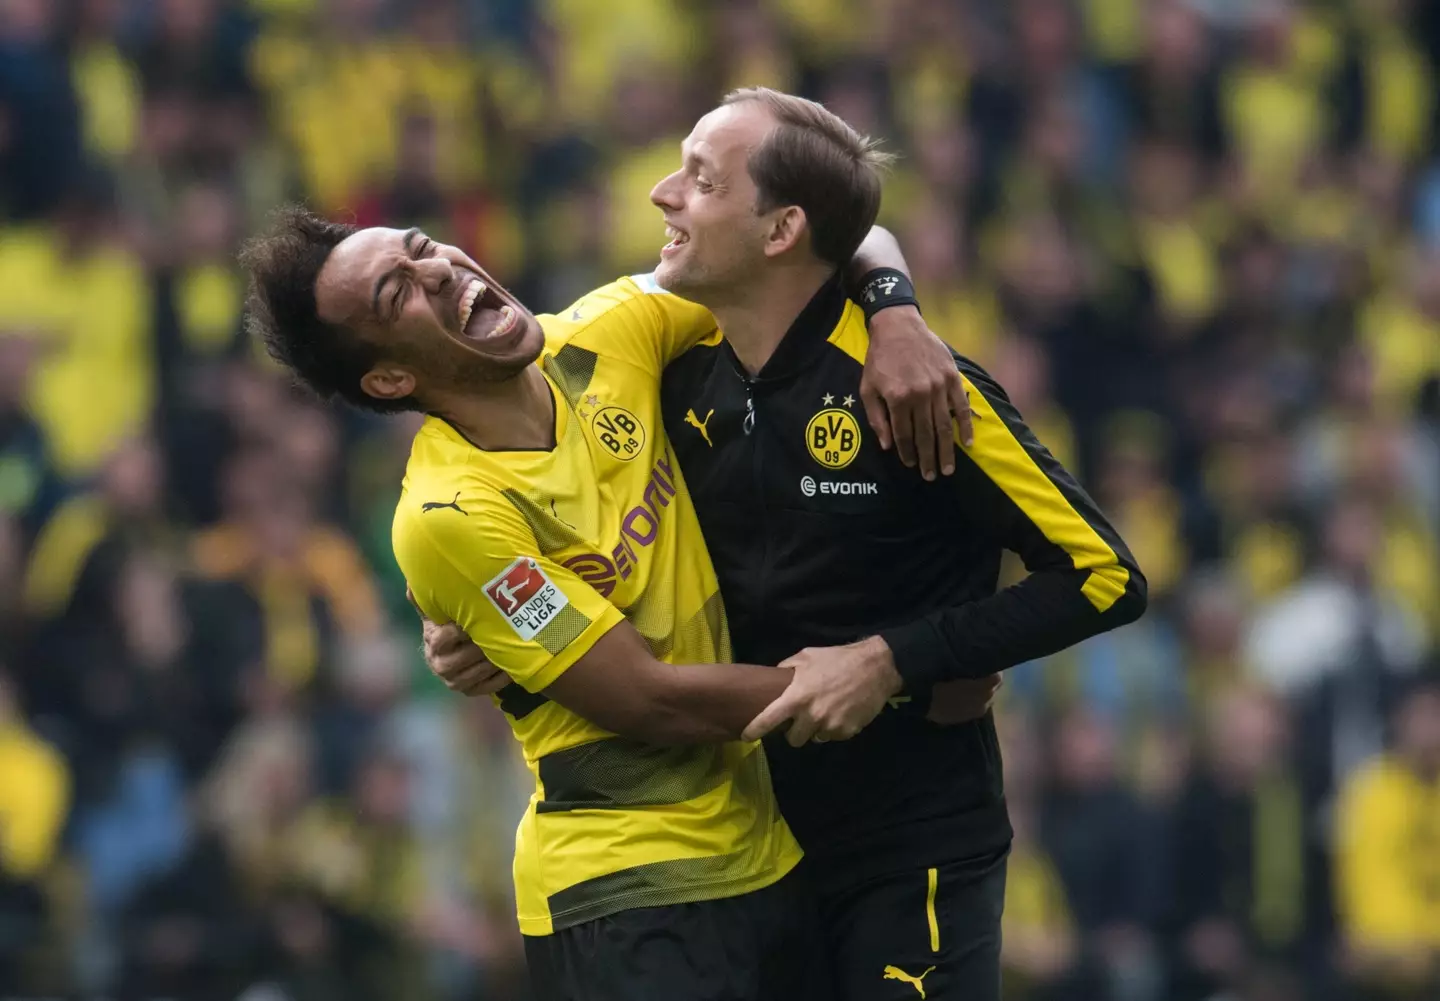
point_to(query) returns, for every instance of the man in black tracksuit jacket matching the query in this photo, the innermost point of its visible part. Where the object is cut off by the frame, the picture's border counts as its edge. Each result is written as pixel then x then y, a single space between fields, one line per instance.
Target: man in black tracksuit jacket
pixel 821 538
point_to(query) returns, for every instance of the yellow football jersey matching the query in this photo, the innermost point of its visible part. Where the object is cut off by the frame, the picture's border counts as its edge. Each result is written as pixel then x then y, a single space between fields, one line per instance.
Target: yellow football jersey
pixel 536 554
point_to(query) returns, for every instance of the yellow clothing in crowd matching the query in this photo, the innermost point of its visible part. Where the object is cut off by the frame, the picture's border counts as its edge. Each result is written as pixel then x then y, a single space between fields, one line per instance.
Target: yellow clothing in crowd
pixel 1388 858
pixel 91 311
pixel 34 801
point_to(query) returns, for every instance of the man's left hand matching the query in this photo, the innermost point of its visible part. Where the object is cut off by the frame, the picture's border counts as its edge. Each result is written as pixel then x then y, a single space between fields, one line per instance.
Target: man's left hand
pixel 836 691
pixel 911 390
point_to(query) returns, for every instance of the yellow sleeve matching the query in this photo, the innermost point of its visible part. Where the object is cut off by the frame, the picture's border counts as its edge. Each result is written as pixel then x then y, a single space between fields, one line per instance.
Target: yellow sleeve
pixel 480 567
pixel 1375 898
pixel 634 320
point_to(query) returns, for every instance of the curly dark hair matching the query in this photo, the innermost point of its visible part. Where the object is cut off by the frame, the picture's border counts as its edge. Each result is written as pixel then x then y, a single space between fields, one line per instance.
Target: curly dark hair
pixel 280 310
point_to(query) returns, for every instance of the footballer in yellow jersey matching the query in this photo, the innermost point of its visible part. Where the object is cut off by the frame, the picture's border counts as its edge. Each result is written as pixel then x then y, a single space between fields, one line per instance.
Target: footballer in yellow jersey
pixel 538 554
pixel 543 514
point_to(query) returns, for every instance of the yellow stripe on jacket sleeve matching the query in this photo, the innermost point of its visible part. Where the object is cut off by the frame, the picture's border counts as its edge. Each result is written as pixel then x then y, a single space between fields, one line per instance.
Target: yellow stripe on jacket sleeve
pixel 1002 457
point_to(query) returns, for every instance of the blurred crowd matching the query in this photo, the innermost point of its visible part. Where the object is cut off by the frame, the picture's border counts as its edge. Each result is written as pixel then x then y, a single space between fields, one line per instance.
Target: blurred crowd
pixel 1198 241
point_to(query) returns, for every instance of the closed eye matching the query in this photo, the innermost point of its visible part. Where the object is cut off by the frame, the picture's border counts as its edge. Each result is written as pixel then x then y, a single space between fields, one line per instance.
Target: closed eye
pixel 418 252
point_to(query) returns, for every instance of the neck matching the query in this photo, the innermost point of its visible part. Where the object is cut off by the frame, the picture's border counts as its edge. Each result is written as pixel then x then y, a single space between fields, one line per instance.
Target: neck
pixel 756 316
pixel 517 413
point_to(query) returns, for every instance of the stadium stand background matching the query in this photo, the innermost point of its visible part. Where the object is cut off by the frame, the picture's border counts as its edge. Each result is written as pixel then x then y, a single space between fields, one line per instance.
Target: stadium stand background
pixel 1198 242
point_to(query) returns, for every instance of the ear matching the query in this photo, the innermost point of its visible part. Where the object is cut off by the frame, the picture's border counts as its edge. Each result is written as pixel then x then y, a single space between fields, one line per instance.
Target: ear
pixel 786 229
pixel 387 382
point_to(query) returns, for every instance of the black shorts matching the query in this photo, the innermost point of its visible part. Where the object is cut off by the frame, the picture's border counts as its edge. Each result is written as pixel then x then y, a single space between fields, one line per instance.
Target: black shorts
pixel 931 934
pixel 760 946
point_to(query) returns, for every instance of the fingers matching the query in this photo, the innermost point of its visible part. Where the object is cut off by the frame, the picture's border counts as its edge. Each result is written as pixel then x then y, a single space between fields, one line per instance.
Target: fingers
pixel 902 423
pixel 926 431
pixel 470 673
pixel 944 434
pixel 459 661
pixel 454 657
pixel 805 724
pixel 468 681
pixel 992 689
pixel 442 641
pixel 837 731
pixel 771 717
pixel 483 679
pixel 876 413
pixel 490 685
pixel 960 407
pixel 802 728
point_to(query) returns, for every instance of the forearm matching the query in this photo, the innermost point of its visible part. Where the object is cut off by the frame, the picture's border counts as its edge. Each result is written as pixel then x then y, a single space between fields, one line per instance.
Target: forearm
pixel 1082 578
pixel 706 703
pixel 879 249
pixel 1041 615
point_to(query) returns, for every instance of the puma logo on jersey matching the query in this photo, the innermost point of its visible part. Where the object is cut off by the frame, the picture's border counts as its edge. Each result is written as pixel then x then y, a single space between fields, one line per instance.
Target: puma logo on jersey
pixel 437 505
pixel 895 973
pixel 699 425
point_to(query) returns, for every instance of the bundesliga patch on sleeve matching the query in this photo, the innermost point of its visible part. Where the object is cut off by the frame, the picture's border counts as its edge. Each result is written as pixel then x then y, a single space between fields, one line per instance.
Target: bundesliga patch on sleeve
pixel 527 598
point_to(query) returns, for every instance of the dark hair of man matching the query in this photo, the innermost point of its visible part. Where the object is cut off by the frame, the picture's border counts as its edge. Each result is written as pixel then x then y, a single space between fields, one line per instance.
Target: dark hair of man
pixel 814 160
pixel 280 310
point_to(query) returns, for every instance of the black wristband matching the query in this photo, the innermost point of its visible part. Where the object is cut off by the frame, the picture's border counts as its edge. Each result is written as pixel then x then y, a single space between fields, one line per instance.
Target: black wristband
pixel 883 288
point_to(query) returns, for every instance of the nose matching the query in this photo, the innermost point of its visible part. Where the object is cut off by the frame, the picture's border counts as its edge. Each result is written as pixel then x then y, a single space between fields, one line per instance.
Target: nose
pixel 434 273
pixel 666 194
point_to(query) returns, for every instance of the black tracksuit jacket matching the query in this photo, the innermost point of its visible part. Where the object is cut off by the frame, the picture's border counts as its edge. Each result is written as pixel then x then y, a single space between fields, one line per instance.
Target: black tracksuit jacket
pixel 819 538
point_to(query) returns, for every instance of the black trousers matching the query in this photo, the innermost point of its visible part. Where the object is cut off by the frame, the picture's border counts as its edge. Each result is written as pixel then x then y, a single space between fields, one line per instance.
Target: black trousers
pixel 918 935
pixel 761 946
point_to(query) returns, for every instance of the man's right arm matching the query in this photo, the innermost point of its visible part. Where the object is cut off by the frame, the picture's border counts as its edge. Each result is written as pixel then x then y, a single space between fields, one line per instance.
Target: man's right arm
pixel 574 647
pixel 619 684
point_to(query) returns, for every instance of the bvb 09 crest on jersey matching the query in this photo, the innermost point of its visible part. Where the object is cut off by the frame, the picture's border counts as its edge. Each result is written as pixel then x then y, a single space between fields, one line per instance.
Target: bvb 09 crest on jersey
pixel 833 438
pixel 618 430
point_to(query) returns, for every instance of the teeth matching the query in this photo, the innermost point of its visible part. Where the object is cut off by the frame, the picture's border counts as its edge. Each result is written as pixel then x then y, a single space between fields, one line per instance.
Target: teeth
pixel 467 302
pixel 507 320
pixel 674 235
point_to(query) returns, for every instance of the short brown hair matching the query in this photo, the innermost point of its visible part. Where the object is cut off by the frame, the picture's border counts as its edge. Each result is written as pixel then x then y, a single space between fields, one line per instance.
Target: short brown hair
pixel 815 160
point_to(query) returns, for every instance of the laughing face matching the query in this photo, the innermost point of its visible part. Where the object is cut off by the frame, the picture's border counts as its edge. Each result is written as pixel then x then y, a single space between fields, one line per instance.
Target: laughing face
pixel 717 235
pixel 439 320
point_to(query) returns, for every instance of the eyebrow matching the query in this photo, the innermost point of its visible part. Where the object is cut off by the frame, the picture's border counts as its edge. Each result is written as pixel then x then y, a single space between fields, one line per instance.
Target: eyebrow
pixel 406 241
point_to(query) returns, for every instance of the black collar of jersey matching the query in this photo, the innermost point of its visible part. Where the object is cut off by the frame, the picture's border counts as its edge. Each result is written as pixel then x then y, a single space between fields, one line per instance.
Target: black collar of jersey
pixel 811 328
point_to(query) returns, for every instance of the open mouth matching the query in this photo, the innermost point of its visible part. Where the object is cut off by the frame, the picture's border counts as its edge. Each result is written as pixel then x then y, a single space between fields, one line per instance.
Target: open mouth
pixel 483 315
pixel 678 238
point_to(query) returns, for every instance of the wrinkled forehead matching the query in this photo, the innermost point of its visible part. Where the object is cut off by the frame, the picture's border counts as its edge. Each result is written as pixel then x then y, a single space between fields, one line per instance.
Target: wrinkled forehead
pixel 728 134
pixel 343 287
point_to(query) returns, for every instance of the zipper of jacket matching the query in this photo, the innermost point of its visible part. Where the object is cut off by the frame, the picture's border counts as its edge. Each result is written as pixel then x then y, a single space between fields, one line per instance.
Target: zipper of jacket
pixel 762 572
